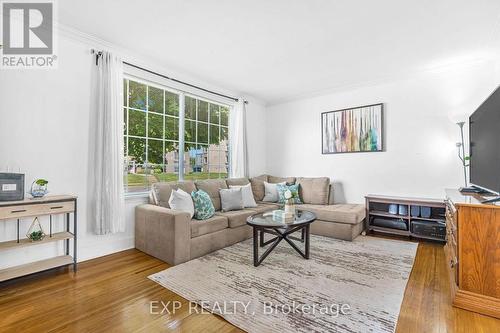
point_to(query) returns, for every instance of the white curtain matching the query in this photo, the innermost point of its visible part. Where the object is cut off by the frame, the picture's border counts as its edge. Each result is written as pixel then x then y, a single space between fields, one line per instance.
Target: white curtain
pixel 238 140
pixel 106 191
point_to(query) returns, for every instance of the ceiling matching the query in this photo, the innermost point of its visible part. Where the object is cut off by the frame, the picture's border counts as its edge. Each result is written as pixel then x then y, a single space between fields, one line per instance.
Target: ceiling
pixel 284 49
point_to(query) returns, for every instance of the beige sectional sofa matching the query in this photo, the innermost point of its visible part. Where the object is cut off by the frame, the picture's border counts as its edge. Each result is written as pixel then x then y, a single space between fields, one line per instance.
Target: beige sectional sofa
pixel 174 237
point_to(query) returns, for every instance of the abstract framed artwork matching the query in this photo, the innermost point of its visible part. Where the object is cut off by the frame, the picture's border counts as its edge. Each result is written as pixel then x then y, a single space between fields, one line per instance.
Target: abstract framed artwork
pixel 353 130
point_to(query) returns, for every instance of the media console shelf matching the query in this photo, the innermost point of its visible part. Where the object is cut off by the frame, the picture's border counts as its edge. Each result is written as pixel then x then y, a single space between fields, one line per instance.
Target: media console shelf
pixel 46 206
pixel 403 222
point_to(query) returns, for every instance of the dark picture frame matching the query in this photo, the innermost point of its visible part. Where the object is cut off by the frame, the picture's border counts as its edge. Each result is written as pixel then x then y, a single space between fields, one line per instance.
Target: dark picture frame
pixel 358 129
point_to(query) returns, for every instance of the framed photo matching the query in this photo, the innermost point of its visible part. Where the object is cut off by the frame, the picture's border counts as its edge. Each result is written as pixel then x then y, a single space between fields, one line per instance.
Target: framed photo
pixel 353 130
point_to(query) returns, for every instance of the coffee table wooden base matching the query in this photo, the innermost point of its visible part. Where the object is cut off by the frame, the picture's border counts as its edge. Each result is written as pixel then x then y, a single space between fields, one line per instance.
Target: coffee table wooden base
pixel 258 241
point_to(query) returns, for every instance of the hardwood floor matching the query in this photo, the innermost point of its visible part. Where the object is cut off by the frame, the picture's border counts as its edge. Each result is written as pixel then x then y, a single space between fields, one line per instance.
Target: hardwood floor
pixel 113 294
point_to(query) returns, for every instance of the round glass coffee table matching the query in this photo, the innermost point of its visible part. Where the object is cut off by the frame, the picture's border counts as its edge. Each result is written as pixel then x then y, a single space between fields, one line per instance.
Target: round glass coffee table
pixel 282 229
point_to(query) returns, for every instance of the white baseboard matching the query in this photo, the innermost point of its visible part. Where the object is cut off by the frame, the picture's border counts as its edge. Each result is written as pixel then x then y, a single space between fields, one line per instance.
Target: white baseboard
pixel 101 247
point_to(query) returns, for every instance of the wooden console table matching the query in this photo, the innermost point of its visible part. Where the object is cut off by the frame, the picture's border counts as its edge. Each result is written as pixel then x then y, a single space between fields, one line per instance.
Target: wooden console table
pixel 46 206
pixel 473 253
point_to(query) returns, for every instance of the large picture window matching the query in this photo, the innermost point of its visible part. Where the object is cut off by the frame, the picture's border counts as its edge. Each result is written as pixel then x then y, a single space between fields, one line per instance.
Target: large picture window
pixel 152 143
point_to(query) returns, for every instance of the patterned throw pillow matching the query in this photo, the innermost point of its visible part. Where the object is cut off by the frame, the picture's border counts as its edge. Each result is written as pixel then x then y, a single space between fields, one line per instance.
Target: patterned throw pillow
pixel 203 206
pixel 292 188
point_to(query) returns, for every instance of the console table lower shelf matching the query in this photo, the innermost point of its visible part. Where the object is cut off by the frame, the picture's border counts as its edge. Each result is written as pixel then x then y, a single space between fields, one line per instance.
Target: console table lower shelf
pixel 29 208
pixel 34 267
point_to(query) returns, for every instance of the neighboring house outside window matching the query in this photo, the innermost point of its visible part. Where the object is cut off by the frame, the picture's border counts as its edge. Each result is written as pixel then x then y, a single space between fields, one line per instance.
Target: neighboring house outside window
pixel 151 132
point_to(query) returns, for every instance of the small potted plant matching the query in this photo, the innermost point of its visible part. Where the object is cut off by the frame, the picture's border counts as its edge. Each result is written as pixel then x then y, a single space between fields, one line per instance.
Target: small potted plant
pixel 39 188
pixel 35 232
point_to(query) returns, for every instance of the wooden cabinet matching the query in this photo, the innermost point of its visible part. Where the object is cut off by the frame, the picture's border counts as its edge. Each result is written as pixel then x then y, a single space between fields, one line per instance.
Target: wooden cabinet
pixel 473 253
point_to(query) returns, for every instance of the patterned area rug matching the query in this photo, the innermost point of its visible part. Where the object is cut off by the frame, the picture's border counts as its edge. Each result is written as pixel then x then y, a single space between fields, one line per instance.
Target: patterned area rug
pixel 345 287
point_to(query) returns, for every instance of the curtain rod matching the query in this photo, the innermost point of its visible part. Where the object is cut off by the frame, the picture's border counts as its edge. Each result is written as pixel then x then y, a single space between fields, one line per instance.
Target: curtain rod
pixel 99 53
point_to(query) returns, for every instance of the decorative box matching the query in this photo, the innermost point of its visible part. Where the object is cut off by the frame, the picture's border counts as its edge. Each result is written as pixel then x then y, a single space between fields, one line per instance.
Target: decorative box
pixel 11 186
pixel 281 215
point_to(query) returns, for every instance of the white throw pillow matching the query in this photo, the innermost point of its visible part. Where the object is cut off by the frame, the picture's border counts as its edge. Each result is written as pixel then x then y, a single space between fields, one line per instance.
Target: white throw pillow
pixel 181 200
pixel 246 191
pixel 271 192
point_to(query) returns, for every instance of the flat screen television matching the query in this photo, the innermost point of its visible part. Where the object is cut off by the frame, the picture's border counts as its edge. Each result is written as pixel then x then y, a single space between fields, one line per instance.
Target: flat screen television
pixel 484 134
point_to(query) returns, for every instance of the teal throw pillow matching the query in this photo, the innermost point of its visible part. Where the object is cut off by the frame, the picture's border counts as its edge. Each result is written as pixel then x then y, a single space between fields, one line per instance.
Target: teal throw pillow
pixel 292 188
pixel 203 206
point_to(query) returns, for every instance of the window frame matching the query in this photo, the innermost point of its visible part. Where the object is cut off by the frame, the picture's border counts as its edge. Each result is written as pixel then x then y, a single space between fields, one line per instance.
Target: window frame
pixel 182 144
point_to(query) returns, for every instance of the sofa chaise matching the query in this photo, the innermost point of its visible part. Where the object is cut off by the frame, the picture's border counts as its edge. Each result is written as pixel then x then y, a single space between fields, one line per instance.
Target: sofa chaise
pixel 174 237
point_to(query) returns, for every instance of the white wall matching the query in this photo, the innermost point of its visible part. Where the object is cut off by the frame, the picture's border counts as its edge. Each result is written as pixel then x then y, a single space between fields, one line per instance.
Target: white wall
pixel 44 126
pixel 420 157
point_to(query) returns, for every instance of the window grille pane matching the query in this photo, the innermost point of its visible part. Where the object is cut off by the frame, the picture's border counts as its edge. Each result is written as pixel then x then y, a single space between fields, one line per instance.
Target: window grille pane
pixel 189 131
pixel 137 95
pixel 155 125
pixel 190 106
pixel 171 128
pixel 124 121
pixel 171 104
pixel 214 114
pixel 136 123
pixel 202 133
pixel 155 100
pixel 171 167
pixel 137 149
pixel 136 172
pixel 125 95
pixel 224 116
pixel 155 153
pixel 214 134
pixel 224 134
pixel 202 111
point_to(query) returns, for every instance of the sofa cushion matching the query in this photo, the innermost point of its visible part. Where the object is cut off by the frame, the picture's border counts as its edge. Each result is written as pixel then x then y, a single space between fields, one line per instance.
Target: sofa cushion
pixel 272 204
pixel 213 224
pixel 212 187
pixel 342 213
pixel 264 207
pixel 237 181
pixel 236 218
pixel 314 190
pixel 343 231
pixel 163 191
pixel 287 180
pixel 258 187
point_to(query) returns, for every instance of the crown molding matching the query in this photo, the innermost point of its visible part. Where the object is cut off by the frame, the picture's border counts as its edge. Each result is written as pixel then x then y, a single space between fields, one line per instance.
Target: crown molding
pixel 149 62
pixel 388 79
pixel 145 61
